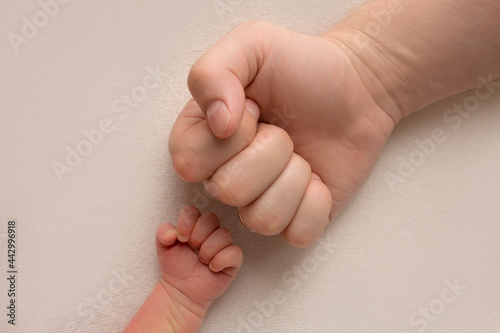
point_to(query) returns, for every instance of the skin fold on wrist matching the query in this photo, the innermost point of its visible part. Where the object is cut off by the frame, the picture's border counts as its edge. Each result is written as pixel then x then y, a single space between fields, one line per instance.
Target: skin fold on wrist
pixel 181 305
pixel 412 53
pixel 376 69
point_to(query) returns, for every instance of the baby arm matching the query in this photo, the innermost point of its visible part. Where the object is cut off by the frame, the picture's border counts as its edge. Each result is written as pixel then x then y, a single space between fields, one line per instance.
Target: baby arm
pixel 198 262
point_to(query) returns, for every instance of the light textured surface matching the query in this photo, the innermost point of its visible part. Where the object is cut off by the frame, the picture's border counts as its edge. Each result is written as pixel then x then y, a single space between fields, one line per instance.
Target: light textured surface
pixel 85 244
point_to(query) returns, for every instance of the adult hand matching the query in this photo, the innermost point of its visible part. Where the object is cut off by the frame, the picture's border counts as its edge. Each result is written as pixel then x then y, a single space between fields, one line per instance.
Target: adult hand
pixel 337 98
pixel 283 126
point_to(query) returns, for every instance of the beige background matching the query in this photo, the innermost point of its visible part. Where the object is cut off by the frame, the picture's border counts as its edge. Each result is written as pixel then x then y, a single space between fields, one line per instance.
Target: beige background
pixel 86 254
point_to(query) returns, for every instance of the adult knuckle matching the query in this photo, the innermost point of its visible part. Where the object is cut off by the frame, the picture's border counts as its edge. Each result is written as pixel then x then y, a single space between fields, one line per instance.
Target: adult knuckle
pixel 188 166
pixel 224 191
pixel 300 238
pixel 198 75
pixel 273 134
pixel 281 135
pixel 268 223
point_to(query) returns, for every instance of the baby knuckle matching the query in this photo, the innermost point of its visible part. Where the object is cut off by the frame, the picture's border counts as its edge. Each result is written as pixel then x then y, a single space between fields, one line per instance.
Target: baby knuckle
pixel 226 235
pixel 210 219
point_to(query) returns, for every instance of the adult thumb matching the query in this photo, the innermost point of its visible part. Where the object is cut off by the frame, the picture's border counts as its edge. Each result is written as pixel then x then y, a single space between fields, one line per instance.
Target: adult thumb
pixel 218 79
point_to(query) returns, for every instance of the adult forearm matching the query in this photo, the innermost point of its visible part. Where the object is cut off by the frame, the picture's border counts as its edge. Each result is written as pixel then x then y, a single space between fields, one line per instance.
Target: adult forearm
pixel 422 51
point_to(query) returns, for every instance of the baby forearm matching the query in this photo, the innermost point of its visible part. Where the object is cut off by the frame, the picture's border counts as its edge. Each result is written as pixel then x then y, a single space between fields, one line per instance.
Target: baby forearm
pixel 160 313
pixel 422 51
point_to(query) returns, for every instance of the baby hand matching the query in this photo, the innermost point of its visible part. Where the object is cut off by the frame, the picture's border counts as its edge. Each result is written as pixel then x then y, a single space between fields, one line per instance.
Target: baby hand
pixel 198 259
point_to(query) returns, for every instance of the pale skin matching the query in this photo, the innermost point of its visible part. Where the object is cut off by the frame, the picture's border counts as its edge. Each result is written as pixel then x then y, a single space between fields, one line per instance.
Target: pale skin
pixel 288 126
pixel 198 262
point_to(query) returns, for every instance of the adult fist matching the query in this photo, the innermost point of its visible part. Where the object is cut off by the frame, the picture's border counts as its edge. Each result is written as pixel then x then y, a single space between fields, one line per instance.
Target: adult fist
pixel 282 125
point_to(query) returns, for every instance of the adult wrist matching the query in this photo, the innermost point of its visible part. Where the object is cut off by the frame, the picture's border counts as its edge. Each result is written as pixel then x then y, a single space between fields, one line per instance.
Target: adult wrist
pixel 385 75
pixel 419 52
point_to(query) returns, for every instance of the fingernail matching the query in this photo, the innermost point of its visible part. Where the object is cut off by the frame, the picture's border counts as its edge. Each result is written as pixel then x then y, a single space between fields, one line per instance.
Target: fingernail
pixel 169 233
pixel 211 266
pixel 218 117
pixel 253 108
